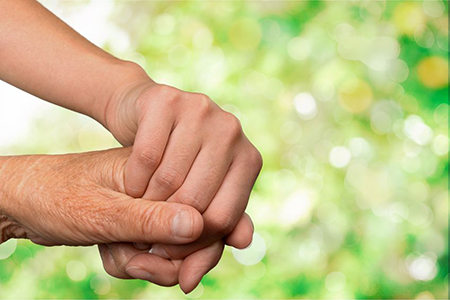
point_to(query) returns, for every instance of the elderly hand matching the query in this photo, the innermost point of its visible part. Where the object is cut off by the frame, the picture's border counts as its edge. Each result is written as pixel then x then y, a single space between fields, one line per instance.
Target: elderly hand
pixel 79 199
pixel 186 150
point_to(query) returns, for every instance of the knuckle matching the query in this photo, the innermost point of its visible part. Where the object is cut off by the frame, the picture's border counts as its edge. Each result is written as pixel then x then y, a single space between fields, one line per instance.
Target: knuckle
pixel 149 157
pixel 256 159
pixel 203 104
pixel 169 94
pixel 222 224
pixel 166 89
pixel 191 199
pixel 168 179
pixel 232 126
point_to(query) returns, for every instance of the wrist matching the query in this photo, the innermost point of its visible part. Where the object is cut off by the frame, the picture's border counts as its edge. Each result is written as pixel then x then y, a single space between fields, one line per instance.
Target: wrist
pixel 124 76
pixel 120 111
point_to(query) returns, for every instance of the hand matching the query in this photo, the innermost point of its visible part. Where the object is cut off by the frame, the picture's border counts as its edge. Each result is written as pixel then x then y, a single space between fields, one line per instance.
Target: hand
pixel 187 150
pixel 128 261
pixel 79 199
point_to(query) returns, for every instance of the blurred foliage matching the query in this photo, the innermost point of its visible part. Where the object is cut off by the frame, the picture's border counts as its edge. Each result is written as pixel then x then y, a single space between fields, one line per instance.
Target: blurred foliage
pixel 348 103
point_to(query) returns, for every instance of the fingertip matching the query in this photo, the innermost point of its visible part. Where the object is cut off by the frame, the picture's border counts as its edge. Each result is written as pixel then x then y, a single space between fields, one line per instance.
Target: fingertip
pixel 187 222
pixel 242 235
pixel 189 278
pixel 155 269
pixel 189 284
pixel 197 265
pixel 245 243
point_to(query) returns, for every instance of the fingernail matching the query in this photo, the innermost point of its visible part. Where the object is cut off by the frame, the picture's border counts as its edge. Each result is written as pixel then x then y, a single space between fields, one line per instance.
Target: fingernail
pixel 139 273
pixel 159 250
pixel 182 224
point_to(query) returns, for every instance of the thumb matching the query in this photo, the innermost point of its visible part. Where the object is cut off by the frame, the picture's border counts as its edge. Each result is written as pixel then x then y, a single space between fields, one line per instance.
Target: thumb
pixel 144 221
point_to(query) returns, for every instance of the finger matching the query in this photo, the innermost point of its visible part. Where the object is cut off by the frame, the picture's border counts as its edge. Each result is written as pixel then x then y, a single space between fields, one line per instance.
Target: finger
pixel 150 267
pixel 195 266
pixel 240 238
pixel 109 264
pixel 242 235
pixel 178 157
pixel 204 178
pixel 144 221
pixel 225 210
pixel 121 254
pixel 150 142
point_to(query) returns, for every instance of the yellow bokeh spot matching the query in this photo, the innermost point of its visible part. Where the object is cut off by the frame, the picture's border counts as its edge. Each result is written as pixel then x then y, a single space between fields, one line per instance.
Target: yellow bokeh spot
pixel 433 72
pixel 355 95
pixel 245 34
pixel 408 16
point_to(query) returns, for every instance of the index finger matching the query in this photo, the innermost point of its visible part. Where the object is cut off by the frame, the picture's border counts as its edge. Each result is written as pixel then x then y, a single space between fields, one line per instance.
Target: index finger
pixel 150 142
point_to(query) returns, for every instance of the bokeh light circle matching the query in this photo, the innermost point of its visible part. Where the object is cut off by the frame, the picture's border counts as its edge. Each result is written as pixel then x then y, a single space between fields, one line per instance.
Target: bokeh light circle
pixel 100 284
pixel 398 70
pixel 417 130
pixel 424 36
pixel 335 281
pixel 76 270
pixel 7 248
pixel 408 16
pixel 440 145
pixel 355 95
pixel 305 105
pixel 252 254
pixel 296 209
pixel 340 157
pixel 203 38
pixel 433 8
pixel 422 268
pixel 433 72
pixel 299 48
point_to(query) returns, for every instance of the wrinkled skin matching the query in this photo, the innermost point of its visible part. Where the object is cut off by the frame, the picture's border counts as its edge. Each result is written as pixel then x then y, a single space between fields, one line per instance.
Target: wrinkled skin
pixel 79 200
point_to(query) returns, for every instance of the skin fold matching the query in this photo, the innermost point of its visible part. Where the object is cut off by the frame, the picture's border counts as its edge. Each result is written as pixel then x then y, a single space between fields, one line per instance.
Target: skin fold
pixel 183 150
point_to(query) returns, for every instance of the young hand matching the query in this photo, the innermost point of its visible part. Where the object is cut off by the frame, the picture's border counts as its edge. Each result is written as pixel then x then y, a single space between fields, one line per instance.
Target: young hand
pixel 187 150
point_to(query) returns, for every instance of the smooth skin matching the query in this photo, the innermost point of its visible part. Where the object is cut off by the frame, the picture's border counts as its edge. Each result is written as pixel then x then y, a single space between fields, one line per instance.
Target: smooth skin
pixel 185 149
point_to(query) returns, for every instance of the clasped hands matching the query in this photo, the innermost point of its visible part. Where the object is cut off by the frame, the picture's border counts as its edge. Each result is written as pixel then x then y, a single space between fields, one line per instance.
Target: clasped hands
pixel 161 208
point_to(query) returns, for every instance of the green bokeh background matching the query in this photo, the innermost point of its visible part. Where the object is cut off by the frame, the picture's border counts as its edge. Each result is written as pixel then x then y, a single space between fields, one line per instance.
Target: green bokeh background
pixel 348 104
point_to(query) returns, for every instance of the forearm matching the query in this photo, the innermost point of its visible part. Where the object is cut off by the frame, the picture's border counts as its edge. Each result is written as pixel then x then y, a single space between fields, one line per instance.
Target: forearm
pixel 14 171
pixel 45 57
pixel 8 173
